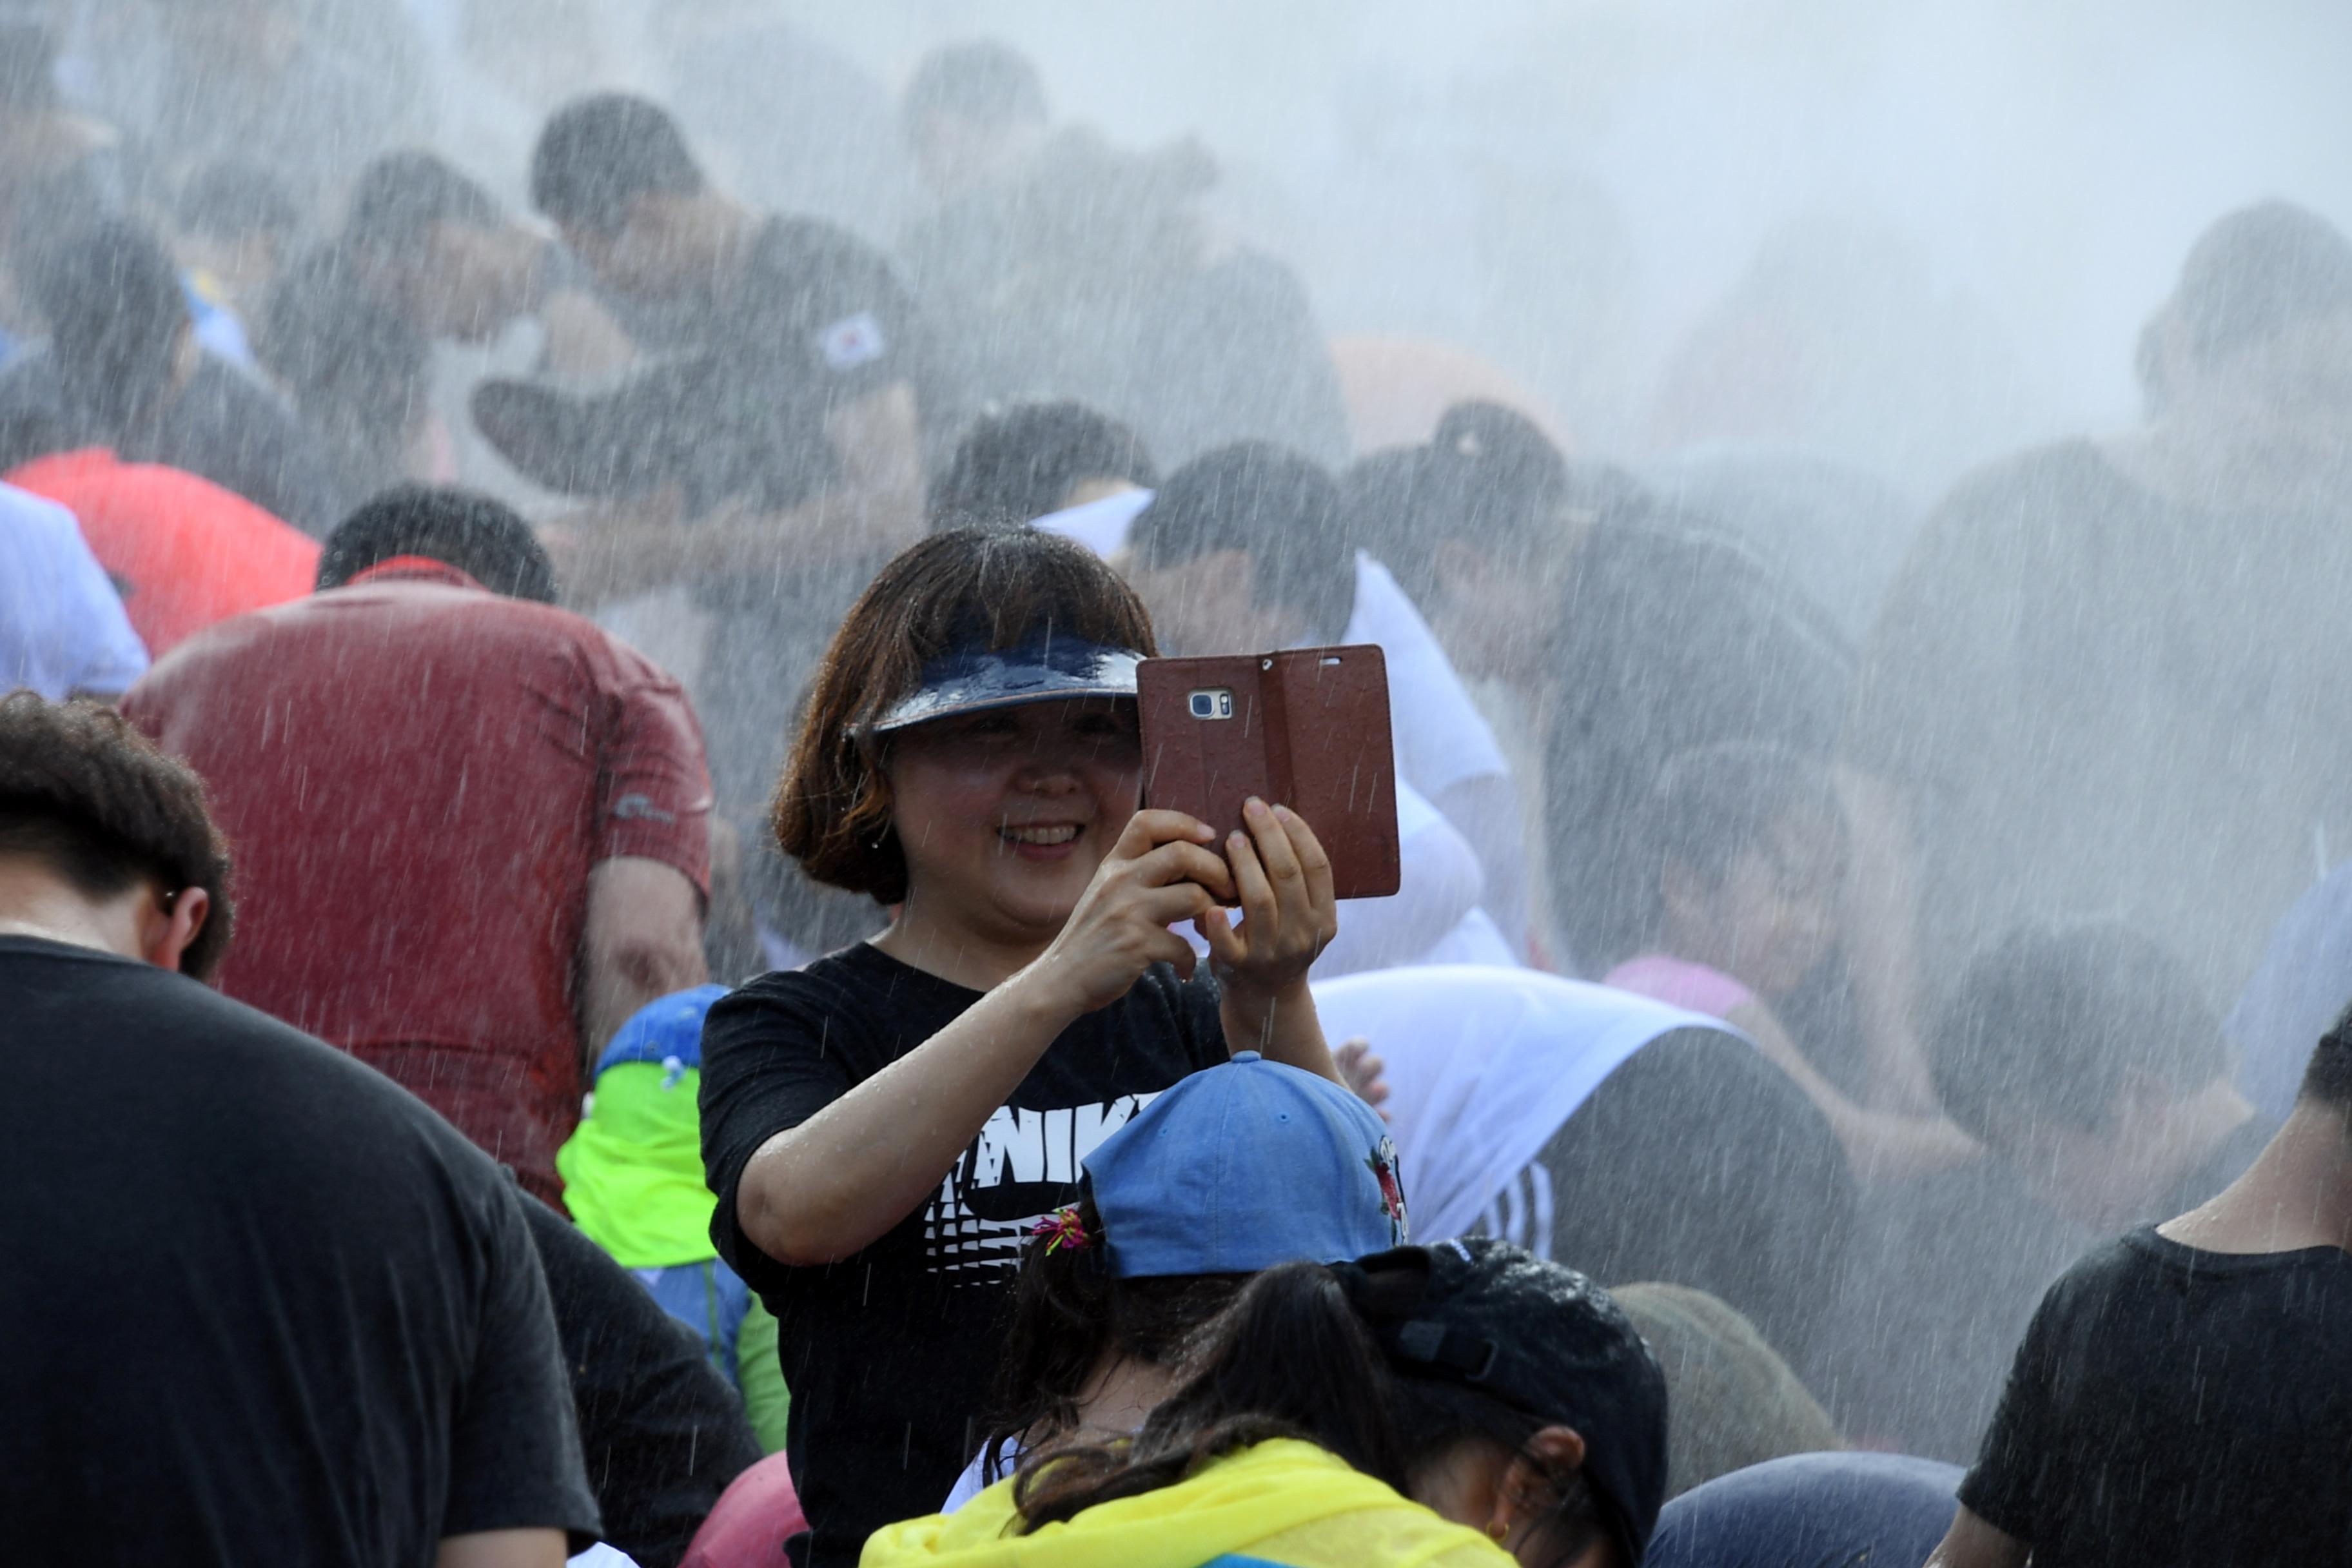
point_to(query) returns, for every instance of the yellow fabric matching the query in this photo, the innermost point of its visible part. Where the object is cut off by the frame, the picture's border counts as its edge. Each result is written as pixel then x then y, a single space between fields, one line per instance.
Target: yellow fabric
pixel 1279 1502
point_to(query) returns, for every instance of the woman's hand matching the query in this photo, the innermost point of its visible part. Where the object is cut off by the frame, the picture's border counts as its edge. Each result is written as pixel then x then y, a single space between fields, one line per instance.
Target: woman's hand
pixel 1161 873
pixel 1282 880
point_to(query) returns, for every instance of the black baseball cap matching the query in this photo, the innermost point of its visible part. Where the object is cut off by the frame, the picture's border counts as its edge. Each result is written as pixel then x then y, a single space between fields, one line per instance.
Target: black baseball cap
pixel 1545 1339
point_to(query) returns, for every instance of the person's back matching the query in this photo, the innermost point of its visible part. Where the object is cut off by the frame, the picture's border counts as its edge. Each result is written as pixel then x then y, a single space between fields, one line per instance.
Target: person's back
pixel 264 1305
pixel 186 552
pixel 1616 1135
pixel 2185 1392
pixel 1817 1510
pixel 63 631
pixel 426 775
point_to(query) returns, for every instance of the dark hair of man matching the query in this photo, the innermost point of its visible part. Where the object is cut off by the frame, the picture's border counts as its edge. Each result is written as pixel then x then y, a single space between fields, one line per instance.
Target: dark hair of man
pixel 1020 463
pixel 103 806
pixel 982 80
pixel 1295 1357
pixel 2258 271
pixel 1068 1314
pixel 2327 1080
pixel 400 197
pixel 1276 505
pixel 967 589
pixel 2049 1024
pixel 114 308
pixel 600 153
pixel 232 200
pixel 479 536
pixel 1489 475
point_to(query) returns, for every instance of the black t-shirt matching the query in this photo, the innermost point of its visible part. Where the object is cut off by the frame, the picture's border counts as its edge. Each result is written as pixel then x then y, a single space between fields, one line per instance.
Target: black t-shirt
pixel 1670 636
pixel 263 1305
pixel 734 405
pixel 2173 1405
pixel 662 1432
pixel 889 1353
pixel 1696 1163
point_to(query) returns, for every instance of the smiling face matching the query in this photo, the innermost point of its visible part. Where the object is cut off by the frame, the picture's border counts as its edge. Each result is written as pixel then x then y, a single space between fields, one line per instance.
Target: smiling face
pixel 1003 816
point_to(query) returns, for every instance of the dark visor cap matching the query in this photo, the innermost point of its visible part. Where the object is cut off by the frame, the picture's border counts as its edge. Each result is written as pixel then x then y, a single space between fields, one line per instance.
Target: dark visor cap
pixel 1542 1339
pixel 974 680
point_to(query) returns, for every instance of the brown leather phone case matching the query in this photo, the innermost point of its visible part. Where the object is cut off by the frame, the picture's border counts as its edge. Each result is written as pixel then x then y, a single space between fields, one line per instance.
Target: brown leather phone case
pixel 1307 729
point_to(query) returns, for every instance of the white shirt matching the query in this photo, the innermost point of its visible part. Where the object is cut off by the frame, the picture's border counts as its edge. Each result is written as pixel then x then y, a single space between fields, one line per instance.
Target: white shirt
pixel 62 627
pixel 1483 1064
pixel 1442 738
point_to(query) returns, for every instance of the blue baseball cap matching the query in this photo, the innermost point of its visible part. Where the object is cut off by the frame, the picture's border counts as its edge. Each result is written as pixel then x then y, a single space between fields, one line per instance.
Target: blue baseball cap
pixel 666 1028
pixel 1243 1166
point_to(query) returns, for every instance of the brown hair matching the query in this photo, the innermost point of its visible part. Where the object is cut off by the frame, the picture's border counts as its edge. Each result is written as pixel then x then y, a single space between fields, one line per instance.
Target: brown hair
pixel 104 806
pixel 968 588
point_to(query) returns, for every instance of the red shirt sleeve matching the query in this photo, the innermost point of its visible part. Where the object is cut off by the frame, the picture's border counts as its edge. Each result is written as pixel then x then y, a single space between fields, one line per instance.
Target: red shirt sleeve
pixel 654 787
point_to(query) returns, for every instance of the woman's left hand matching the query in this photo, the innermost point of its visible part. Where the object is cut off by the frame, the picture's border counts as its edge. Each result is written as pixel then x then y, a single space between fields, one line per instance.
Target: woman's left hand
pixel 1282 878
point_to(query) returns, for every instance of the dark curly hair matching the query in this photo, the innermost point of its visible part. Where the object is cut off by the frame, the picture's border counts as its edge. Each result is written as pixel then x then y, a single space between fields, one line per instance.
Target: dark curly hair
pixel 102 805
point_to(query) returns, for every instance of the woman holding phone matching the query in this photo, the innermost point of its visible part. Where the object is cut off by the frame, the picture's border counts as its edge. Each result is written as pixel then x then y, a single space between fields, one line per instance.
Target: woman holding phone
pixel 885 1127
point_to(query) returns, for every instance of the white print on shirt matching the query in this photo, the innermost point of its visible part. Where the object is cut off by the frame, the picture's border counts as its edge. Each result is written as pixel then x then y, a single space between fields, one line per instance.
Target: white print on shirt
pixel 853 341
pixel 1015 1173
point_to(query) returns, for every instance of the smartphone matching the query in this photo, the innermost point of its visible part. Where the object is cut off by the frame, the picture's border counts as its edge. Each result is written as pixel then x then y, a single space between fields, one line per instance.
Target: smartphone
pixel 1307 729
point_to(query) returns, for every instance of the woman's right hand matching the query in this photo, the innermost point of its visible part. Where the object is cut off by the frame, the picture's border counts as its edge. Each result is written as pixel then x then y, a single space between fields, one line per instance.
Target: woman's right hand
pixel 1161 873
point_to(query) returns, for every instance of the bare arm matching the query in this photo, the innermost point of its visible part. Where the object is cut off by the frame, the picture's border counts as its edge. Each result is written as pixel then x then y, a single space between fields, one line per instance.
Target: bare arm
pixel 502 1549
pixel 643 940
pixel 1973 1543
pixel 819 1192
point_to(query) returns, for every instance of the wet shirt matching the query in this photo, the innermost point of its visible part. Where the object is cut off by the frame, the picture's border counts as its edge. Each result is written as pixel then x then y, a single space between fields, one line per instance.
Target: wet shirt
pixel 890 1354
pixel 662 1432
pixel 183 552
pixel 2173 1405
pixel 62 629
pixel 418 777
pixel 263 1306
pixel 1696 1163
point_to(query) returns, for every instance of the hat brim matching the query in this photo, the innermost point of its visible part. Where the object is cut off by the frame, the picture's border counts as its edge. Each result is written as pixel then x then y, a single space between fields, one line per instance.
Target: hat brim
pixel 979 683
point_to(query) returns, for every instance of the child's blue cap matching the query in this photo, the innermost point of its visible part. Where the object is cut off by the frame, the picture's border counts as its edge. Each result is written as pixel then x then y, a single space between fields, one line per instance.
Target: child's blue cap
pixel 667 1029
pixel 1243 1166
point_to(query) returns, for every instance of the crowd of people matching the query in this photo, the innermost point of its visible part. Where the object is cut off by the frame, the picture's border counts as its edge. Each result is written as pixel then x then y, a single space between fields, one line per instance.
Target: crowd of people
pixel 589 976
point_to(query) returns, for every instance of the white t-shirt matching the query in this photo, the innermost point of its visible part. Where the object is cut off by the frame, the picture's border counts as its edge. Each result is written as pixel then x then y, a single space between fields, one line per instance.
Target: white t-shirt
pixel 1484 1065
pixel 1442 738
pixel 62 627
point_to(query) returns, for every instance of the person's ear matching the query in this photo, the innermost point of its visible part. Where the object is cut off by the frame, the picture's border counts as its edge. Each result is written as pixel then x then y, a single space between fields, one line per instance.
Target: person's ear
pixel 1531 1482
pixel 171 925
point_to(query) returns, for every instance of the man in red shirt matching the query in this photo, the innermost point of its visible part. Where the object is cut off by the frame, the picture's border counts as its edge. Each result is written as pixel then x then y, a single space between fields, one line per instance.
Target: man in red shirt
pixel 471 829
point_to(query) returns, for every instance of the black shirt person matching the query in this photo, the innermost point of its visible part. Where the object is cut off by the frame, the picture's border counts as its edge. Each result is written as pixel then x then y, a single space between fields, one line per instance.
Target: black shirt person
pixel 2185 1392
pixel 884 1126
pixel 264 1306
pixel 767 452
